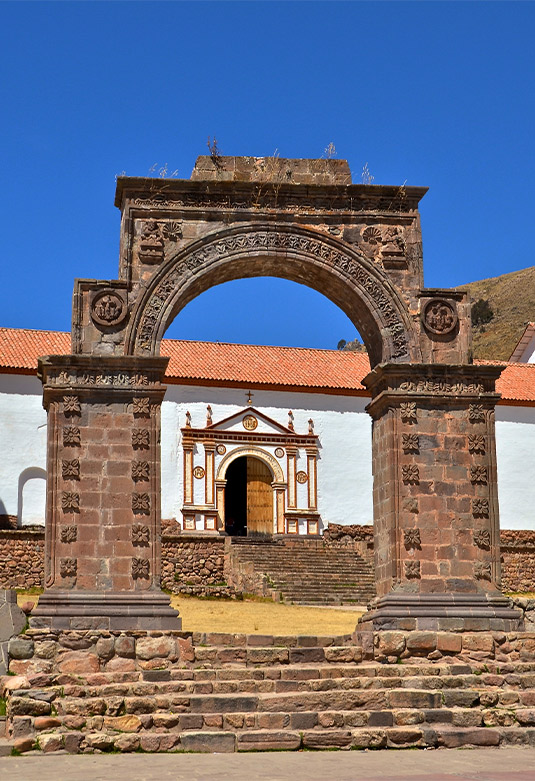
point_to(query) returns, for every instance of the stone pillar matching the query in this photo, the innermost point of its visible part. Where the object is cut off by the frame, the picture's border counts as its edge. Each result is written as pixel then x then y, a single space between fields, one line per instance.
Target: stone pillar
pixel 220 504
pixel 437 554
pixel 102 537
pixel 291 453
pixel 312 455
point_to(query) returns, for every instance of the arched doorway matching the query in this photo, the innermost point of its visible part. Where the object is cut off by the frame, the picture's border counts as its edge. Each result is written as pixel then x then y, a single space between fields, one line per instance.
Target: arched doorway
pixel 248 498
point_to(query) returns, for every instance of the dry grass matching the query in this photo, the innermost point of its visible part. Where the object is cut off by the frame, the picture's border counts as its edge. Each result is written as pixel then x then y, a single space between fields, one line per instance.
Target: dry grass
pixel 250 617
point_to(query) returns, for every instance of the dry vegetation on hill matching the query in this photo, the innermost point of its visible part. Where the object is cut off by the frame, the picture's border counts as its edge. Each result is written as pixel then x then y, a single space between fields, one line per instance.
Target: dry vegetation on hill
pixel 512 299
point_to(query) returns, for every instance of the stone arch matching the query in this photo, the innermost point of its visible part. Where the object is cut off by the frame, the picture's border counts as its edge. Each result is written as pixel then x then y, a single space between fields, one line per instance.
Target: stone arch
pixel 353 282
pixel 254 452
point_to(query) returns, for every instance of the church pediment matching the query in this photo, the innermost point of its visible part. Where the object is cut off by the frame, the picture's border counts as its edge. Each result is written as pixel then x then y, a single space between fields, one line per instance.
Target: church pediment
pixel 250 419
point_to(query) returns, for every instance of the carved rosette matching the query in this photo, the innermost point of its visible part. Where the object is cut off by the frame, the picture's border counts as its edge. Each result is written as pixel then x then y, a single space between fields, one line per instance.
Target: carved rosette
pixel 140 534
pixel 70 501
pixel 140 568
pixel 480 508
pixel 476 413
pixel 410 443
pixel 68 567
pixel 140 470
pixel 411 538
pixel 70 469
pixel 410 474
pixel 141 406
pixel 71 405
pixel 172 230
pixel 482 570
pixel 482 538
pixel 140 438
pixel 412 569
pixel 408 411
pixel 68 534
pixel 476 443
pixel 479 474
pixel 301 477
pixel 141 503
pixel 71 436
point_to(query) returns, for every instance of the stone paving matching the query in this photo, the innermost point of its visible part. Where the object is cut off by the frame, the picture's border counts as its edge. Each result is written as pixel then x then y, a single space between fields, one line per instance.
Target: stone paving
pixel 502 764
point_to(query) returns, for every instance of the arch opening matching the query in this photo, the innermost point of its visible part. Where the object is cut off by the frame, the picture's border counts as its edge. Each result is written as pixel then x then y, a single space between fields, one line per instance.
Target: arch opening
pixel 249 498
pixel 355 284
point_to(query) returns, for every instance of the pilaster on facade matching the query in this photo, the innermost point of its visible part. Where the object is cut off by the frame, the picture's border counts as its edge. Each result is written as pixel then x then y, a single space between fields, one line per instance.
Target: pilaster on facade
pixel 291 453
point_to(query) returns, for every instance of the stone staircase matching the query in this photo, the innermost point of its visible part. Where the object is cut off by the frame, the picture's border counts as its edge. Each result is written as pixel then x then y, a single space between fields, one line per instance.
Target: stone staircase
pixel 84 692
pixel 307 572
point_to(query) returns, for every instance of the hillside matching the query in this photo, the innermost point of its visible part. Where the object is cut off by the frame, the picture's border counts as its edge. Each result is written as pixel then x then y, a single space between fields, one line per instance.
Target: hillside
pixel 512 299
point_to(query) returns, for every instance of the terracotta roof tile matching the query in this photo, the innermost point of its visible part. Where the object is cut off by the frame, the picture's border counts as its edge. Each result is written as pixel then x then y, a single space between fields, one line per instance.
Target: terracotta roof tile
pixel 214 363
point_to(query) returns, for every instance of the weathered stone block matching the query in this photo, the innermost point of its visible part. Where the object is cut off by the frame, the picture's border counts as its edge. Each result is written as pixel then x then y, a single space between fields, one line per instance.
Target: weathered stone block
pixel 208 742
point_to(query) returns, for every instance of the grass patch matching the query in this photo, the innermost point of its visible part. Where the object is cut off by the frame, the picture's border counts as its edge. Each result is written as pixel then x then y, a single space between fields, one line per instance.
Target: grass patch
pixel 252 615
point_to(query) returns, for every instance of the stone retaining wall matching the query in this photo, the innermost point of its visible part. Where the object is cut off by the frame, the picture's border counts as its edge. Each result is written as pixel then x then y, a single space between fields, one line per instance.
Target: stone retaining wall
pixel 189 564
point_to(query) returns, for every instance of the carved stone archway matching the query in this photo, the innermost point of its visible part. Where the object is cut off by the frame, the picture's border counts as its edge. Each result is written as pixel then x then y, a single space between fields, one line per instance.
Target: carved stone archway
pixel 435 484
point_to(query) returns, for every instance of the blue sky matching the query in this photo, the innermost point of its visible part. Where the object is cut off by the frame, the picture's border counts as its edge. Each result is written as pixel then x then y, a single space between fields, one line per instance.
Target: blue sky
pixel 439 94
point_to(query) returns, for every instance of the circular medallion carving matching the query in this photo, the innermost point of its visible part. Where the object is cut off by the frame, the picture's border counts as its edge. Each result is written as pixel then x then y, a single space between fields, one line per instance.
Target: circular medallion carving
pixel 439 316
pixel 250 422
pixel 108 308
pixel 221 450
pixel 301 477
pixel 279 452
pixel 198 472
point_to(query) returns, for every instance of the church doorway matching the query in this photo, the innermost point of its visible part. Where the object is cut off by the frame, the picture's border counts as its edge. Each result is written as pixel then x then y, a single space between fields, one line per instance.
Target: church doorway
pixel 248 498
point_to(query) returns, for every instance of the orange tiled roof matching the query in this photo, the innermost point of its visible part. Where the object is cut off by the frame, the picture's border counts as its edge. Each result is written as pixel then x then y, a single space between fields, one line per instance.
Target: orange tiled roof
pixel 213 363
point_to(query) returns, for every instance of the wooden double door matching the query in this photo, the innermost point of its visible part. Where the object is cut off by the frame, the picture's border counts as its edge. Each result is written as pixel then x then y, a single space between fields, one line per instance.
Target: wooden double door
pixel 248 498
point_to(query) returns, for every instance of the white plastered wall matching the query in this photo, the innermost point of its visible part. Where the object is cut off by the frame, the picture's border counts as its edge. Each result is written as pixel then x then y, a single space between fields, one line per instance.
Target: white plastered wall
pixel 22 448
pixel 515 452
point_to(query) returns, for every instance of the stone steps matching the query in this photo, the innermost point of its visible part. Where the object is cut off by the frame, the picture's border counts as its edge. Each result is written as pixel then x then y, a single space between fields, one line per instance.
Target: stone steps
pixel 304 575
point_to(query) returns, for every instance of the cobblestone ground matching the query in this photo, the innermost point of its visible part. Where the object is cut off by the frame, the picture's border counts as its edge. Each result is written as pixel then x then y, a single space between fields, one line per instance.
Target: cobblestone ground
pixel 501 764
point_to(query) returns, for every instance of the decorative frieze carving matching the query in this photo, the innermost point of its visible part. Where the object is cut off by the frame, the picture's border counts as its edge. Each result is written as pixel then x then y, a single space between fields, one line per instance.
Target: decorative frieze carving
pixel 480 507
pixel 140 534
pixel 301 477
pixel 408 411
pixel 140 470
pixel 476 443
pixel 411 538
pixel 274 198
pixel 108 307
pixel 70 469
pixel 482 538
pixel 68 567
pixel 141 406
pixel 412 569
pixel 482 570
pixel 410 474
pixel 141 503
pixel 70 501
pixel 140 438
pixel 68 534
pixel 116 379
pixel 430 386
pixel 439 317
pixel 273 241
pixel 478 474
pixel 71 405
pixel 140 568
pixel 476 413
pixel 410 443
pixel 71 435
